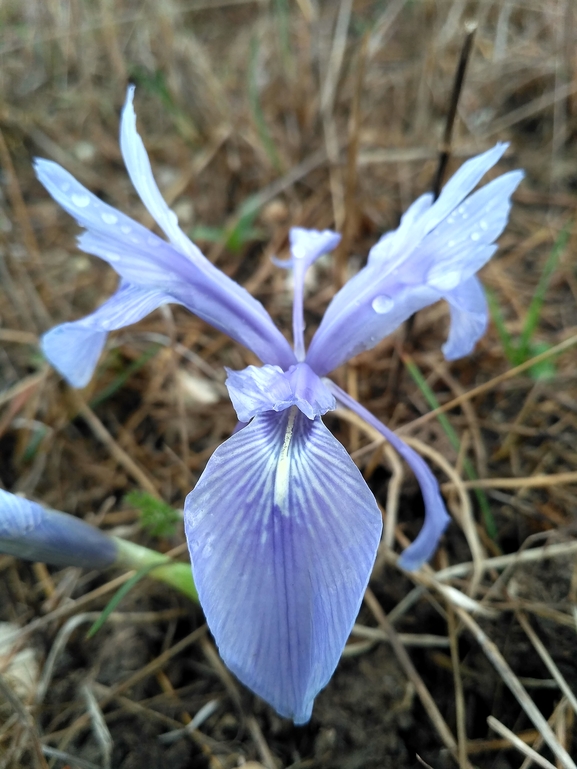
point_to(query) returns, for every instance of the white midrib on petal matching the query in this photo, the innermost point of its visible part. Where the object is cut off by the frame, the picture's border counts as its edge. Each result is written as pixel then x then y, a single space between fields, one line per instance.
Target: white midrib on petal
pixel 282 475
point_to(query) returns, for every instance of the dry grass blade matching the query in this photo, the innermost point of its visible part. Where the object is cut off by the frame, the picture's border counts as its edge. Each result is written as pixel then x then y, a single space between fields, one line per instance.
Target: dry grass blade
pixel 547 659
pixel 521 746
pixel 410 671
pixel 510 679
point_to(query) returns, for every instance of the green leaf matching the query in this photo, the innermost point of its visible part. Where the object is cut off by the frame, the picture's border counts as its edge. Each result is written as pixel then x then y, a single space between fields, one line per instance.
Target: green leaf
pixel 157 517
pixel 117 598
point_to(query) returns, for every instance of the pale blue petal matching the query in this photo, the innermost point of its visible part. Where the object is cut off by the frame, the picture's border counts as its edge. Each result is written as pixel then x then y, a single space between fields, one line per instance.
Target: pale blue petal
pixel 463 243
pixel 282 531
pixel 392 246
pixel 257 389
pixel 435 250
pixel 74 348
pixel 140 172
pixel 142 258
pixel 463 182
pixel 436 516
pixel 308 245
pixel 29 531
pixel 469 318
pixel 370 308
pixel 310 394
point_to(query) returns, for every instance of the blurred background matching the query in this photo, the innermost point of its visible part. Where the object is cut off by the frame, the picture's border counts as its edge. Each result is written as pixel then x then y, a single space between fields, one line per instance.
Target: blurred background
pixel 258 116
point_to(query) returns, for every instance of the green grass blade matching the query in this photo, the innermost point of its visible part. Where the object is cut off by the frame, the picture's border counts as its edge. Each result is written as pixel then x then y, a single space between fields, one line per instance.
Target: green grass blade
pixel 499 321
pixel 429 395
pixel 257 113
pixel 119 381
pixel 117 598
pixel 534 311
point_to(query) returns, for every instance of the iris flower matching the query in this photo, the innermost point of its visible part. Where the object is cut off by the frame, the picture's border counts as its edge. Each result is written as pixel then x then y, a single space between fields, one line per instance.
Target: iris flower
pixel 282 528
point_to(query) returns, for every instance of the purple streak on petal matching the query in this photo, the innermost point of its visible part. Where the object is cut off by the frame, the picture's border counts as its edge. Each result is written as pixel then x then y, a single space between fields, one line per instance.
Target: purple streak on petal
pixel 469 318
pixel 27 530
pixel 74 348
pixel 436 516
pixel 145 260
pixel 282 531
pixel 255 390
pixel 435 249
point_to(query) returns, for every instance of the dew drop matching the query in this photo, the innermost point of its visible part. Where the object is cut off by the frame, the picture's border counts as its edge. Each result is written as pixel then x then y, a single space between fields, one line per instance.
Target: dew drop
pixel 108 218
pixel 461 210
pixel 475 236
pixel 125 229
pixel 80 200
pixel 450 244
pixel 451 220
pixel 444 281
pixel 483 225
pixel 382 304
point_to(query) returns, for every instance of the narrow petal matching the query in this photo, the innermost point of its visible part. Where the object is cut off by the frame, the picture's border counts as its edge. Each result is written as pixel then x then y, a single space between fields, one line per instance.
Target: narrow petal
pixel 143 259
pixel 469 318
pixel 282 531
pixel 74 348
pixel 436 516
pixel 306 247
pixel 27 530
pixel 140 172
pixel 435 250
pixel 463 242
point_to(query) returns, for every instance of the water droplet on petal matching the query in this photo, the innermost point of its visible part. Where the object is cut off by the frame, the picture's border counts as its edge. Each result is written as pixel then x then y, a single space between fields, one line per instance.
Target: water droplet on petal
pixel 483 224
pixel 108 218
pixel 125 229
pixel 444 279
pixel 80 200
pixel 461 210
pixel 450 244
pixel 382 304
pixel 450 220
pixel 475 236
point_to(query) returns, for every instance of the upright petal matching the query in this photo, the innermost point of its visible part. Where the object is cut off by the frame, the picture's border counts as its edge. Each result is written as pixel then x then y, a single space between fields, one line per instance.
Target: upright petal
pixel 282 531
pixel 469 318
pixel 437 248
pixel 27 530
pixel 140 172
pixel 306 247
pixel 74 348
pixel 143 259
pixel 436 516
